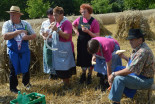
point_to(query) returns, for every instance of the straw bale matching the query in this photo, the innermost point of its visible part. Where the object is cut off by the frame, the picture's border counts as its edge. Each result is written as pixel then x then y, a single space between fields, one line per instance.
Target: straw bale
pixel 132 19
pixel 151 20
pixel 103 30
pixel 4 62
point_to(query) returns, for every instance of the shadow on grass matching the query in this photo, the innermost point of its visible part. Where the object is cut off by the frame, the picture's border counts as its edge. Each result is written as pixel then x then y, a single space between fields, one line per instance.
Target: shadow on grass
pixel 6 99
pixel 57 88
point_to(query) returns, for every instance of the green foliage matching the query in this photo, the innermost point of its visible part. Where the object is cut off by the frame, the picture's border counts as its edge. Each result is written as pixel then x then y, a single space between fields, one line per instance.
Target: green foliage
pixel 37 8
pixel 106 6
pixel 6 4
pixel 116 7
pixel 138 4
pixel 152 6
pixel 101 6
pixel 70 7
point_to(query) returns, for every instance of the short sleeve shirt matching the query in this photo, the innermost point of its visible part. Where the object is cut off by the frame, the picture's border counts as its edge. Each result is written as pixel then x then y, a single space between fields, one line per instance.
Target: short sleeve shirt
pixel 108 45
pixel 94 27
pixel 9 27
pixel 143 62
pixel 44 25
pixel 66 27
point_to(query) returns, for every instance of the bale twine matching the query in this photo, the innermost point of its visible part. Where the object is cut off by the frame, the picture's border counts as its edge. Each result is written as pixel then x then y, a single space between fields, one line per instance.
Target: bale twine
pixel 132 19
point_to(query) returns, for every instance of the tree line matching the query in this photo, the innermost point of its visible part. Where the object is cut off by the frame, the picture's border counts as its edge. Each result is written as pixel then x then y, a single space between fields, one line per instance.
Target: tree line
pixel 38 8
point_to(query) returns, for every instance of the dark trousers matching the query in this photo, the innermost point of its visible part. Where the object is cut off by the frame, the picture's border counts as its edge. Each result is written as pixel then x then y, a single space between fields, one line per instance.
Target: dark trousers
pixel 13 77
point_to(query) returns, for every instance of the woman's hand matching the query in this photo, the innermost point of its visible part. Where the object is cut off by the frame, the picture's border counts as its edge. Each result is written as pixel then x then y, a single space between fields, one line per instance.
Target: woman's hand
pixel 85 29
pixel 54 27
pixel 76 32
pixel 94 58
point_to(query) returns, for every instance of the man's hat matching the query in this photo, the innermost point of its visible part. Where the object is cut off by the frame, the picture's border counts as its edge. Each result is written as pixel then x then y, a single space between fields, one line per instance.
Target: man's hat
pixel 134 33
pixel 15 9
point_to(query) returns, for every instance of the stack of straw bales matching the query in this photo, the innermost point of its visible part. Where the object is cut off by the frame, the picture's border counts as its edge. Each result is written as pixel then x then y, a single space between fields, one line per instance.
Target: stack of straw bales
pixel 103 30
pixel 132 19
pixel 4 62
pixel 151 20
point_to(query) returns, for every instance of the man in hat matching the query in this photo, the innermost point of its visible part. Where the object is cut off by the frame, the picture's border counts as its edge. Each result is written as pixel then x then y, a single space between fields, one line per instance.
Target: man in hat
pixel 17 32
pixel 141 64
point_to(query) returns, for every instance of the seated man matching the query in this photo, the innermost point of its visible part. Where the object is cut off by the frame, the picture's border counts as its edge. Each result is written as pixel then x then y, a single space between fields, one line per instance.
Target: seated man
pixel 141 63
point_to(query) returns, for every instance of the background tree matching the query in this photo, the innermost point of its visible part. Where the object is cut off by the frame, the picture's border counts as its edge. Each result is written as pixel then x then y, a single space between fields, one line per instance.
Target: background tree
pixel 138 4
pixel 6 4
pixel 37 8
pixel 101 6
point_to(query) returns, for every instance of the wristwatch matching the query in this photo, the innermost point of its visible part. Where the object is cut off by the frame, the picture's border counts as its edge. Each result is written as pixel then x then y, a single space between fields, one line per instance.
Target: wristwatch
pixel 113 74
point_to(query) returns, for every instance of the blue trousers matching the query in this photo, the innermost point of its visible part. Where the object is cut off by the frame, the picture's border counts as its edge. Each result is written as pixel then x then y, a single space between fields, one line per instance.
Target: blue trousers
pixel 13 77
pixel 132 82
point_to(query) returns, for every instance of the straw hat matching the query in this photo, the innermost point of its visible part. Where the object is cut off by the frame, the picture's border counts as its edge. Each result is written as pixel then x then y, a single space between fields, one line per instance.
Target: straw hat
pixel 15 9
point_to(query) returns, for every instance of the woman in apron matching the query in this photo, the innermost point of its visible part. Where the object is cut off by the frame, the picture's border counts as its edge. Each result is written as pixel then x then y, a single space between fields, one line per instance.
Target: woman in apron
pixel 86 27
pixel 47 53
pixel 103 50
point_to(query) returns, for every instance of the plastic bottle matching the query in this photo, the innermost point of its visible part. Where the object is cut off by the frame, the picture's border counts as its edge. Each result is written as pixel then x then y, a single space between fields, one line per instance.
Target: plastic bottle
pixel 25 99
pixel 26 27
pixel 19 97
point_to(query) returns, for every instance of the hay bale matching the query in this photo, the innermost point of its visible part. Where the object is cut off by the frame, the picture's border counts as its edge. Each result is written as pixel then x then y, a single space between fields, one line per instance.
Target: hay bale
pixel 103 30
pixel 4 62
pixel 151 21
pixel 132 19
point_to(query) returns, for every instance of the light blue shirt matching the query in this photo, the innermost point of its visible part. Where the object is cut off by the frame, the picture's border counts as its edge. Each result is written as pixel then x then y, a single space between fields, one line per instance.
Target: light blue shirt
pixel 8 27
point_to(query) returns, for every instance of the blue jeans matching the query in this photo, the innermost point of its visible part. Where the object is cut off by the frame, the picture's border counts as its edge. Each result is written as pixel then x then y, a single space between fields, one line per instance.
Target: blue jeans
pixel 132 82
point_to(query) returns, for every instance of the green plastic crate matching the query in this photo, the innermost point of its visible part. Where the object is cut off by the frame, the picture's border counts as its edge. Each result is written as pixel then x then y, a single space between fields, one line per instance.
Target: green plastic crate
pixel 35 98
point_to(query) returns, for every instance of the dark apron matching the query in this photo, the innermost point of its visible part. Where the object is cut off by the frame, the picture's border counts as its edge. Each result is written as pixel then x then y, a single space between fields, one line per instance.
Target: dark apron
pixel 19 58
pixel 83 57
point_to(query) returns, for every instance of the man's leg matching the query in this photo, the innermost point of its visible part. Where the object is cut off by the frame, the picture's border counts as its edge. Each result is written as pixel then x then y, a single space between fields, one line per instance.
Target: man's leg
pixel 26 78
pixel 13 78
pixel 132 82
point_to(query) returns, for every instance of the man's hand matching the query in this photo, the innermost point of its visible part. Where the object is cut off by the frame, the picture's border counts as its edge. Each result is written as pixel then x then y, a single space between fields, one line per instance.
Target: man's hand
pixel 20 31
pixel 110 79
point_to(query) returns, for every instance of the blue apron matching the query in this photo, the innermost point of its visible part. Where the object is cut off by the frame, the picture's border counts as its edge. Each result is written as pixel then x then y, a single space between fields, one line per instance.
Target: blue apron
pixel 101 66
pixel 19 58
pixel 62 59
pixel 129 92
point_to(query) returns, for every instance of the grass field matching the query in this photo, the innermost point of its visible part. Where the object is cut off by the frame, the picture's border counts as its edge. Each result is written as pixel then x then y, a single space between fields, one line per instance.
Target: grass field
pixel 78 94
